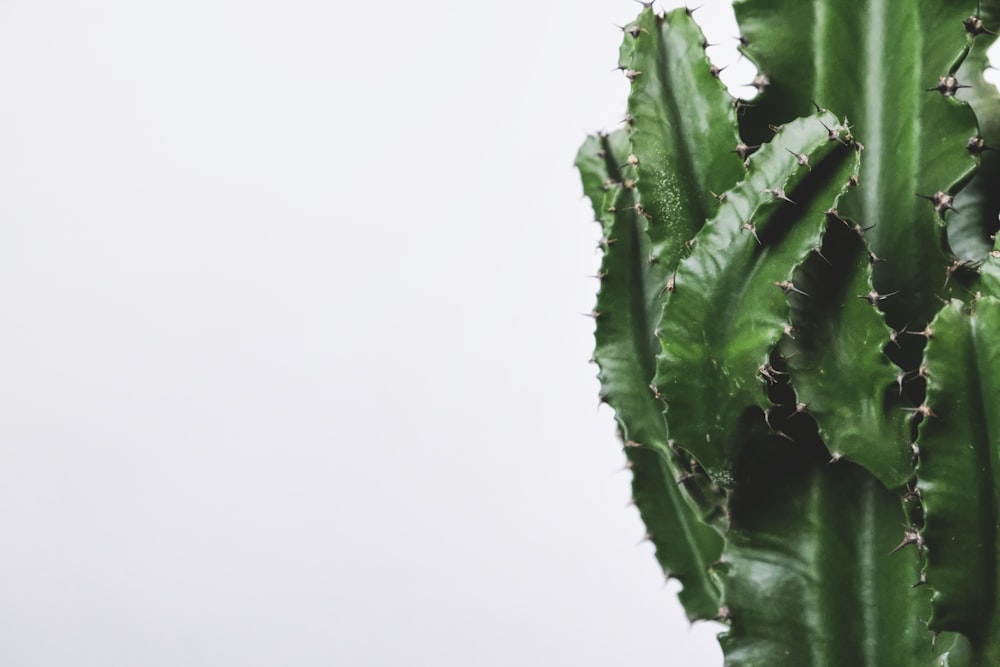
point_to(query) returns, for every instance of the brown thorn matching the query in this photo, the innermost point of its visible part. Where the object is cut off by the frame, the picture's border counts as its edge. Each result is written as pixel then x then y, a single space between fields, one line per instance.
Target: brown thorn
pixel 786 287
pixel 778 193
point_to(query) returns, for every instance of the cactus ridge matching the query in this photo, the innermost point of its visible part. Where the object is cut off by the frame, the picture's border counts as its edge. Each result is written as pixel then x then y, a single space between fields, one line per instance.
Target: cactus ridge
pixel 676 515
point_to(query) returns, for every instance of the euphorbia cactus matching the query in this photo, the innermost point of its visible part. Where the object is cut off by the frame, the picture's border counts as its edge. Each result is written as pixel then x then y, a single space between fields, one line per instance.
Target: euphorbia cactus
pixel 798 326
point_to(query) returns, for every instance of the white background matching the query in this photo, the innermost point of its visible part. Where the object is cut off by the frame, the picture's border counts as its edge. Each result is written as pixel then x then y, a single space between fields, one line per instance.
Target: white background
pixel 292 367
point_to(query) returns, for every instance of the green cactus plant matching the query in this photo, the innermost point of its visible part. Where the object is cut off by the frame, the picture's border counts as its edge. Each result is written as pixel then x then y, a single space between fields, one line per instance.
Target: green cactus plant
pixel 798 326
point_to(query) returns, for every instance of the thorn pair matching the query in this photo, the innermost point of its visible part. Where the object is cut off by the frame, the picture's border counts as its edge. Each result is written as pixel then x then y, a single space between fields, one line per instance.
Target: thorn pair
pixel 942 202
pixel 874 297
pixel 948 85
pixel 787 287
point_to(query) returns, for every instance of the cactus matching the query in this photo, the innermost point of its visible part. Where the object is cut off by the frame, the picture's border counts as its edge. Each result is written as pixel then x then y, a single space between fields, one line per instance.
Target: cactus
pixel 798 326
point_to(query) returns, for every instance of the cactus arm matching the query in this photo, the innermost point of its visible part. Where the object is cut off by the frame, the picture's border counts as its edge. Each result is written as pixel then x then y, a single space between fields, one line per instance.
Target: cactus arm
pixel 809 578
pixel 959 473
pixel 624 353
pixel 841 56
pixel 683 129
pixel 837 368
pixel 729 309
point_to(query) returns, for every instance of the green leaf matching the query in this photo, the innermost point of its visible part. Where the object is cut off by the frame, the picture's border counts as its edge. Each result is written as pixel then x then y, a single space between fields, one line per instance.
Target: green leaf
pixel 959 474
pixel 730 307
pixel 625 355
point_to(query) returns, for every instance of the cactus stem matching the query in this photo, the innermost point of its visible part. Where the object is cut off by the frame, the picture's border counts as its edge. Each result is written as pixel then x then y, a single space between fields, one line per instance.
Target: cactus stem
pixel 948 85
pixel 910 536
pixel 753 230
pixel 801 158
pixel 787 287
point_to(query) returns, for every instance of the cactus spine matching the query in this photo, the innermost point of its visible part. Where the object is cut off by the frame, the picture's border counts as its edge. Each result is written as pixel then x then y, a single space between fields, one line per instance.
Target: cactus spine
pixel 799 333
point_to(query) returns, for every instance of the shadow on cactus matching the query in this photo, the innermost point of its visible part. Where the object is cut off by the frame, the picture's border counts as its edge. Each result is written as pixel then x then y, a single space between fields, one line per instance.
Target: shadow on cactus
pixel 798 326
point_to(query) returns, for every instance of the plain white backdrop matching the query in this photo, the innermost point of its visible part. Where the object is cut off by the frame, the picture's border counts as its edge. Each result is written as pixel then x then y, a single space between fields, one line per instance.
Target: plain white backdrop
pixel 292 367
